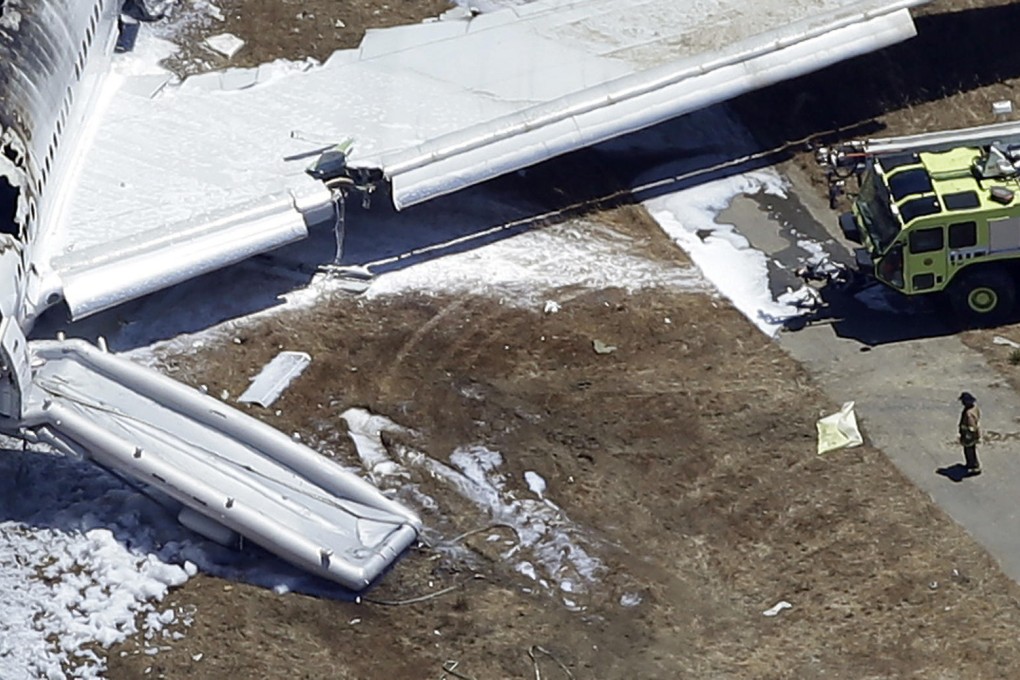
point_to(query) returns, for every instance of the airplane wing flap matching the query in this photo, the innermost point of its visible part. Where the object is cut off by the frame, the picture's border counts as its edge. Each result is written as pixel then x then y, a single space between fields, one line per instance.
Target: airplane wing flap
pixel 542 67
pixel 100 277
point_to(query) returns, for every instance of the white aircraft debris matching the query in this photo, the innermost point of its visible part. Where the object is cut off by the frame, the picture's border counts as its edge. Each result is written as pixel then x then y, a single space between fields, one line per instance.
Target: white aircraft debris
pixel 226 44
pixel 839 430
pixel 274 378
pixel 778 607
pixel 999 340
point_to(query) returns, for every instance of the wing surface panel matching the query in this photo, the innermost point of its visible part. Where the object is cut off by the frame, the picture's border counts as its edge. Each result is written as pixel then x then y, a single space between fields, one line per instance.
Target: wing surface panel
pixel 433 107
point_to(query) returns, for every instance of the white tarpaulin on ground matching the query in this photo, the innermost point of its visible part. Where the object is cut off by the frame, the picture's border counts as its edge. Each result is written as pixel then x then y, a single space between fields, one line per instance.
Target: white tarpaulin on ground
pixel 839 430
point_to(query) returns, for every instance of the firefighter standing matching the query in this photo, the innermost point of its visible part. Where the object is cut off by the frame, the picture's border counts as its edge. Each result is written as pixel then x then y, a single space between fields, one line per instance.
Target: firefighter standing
pixel 970 431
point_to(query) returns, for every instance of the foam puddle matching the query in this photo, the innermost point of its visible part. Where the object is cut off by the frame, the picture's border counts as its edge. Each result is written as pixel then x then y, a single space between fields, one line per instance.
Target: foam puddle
pixel 550 549
pixel 727 259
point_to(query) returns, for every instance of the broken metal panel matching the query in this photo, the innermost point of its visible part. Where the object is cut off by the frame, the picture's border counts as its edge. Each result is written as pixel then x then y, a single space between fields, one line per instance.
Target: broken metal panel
pixel 231 469
pixel 274 378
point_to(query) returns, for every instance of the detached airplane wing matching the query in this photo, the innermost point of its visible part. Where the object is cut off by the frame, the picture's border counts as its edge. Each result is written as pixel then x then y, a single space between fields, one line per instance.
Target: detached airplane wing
pixel 179 179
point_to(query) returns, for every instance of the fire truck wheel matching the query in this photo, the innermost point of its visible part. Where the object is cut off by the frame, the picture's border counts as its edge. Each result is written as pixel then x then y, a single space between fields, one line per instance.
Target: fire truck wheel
pixel 984 295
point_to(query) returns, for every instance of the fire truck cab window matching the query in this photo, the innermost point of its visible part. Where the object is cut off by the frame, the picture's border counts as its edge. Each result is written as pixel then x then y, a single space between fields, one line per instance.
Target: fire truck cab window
pixel 910 182
pixel 919 207
pixel 962 200
pixel 926 240
pixel 963 235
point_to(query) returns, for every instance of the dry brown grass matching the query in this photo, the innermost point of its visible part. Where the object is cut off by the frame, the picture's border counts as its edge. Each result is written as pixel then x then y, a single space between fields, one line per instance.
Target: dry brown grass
pixel 689 452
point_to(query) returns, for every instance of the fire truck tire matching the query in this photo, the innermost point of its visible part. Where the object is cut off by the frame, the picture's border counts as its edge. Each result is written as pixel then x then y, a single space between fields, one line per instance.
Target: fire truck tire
pixel 984 295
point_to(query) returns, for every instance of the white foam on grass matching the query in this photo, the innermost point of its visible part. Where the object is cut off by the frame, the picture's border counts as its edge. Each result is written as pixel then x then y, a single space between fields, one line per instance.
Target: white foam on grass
pixel 725 256
pixel 80 564
pixel 550 549
pixel 539 269
pixel 86 560
pixel 145 58
pixel 522 269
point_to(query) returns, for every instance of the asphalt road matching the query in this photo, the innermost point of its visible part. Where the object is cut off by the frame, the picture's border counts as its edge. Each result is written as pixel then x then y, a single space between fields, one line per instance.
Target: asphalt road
pixel 904 370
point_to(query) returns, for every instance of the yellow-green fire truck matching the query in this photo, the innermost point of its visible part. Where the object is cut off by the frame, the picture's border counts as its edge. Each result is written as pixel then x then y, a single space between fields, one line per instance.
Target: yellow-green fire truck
pixel 939 213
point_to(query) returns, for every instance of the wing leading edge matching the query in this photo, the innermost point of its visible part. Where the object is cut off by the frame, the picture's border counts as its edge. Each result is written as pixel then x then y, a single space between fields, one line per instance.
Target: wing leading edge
pixel 648 95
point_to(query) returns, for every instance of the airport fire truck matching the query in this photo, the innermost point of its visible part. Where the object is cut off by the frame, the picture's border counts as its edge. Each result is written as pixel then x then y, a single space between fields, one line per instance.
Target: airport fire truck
pixel 938 213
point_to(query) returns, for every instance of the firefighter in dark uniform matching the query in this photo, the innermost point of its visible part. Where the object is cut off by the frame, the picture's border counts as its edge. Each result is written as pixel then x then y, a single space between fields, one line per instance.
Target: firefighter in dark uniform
pixel 970 432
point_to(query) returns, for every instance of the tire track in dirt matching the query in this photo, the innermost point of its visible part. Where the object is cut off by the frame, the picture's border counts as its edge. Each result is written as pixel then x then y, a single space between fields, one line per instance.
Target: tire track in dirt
pixel 417 338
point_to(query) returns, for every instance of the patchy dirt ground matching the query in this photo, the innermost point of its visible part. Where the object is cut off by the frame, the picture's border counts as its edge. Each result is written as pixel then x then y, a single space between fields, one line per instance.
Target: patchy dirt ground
pixel 1000 347
pixel 693 468
pixel 287 29
pixel 687 457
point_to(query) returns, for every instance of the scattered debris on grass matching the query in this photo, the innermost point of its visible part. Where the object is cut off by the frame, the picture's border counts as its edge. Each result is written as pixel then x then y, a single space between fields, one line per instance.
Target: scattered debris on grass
pixel 226 44
pixel 274 378
pixel 778 607
pixel 839 430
